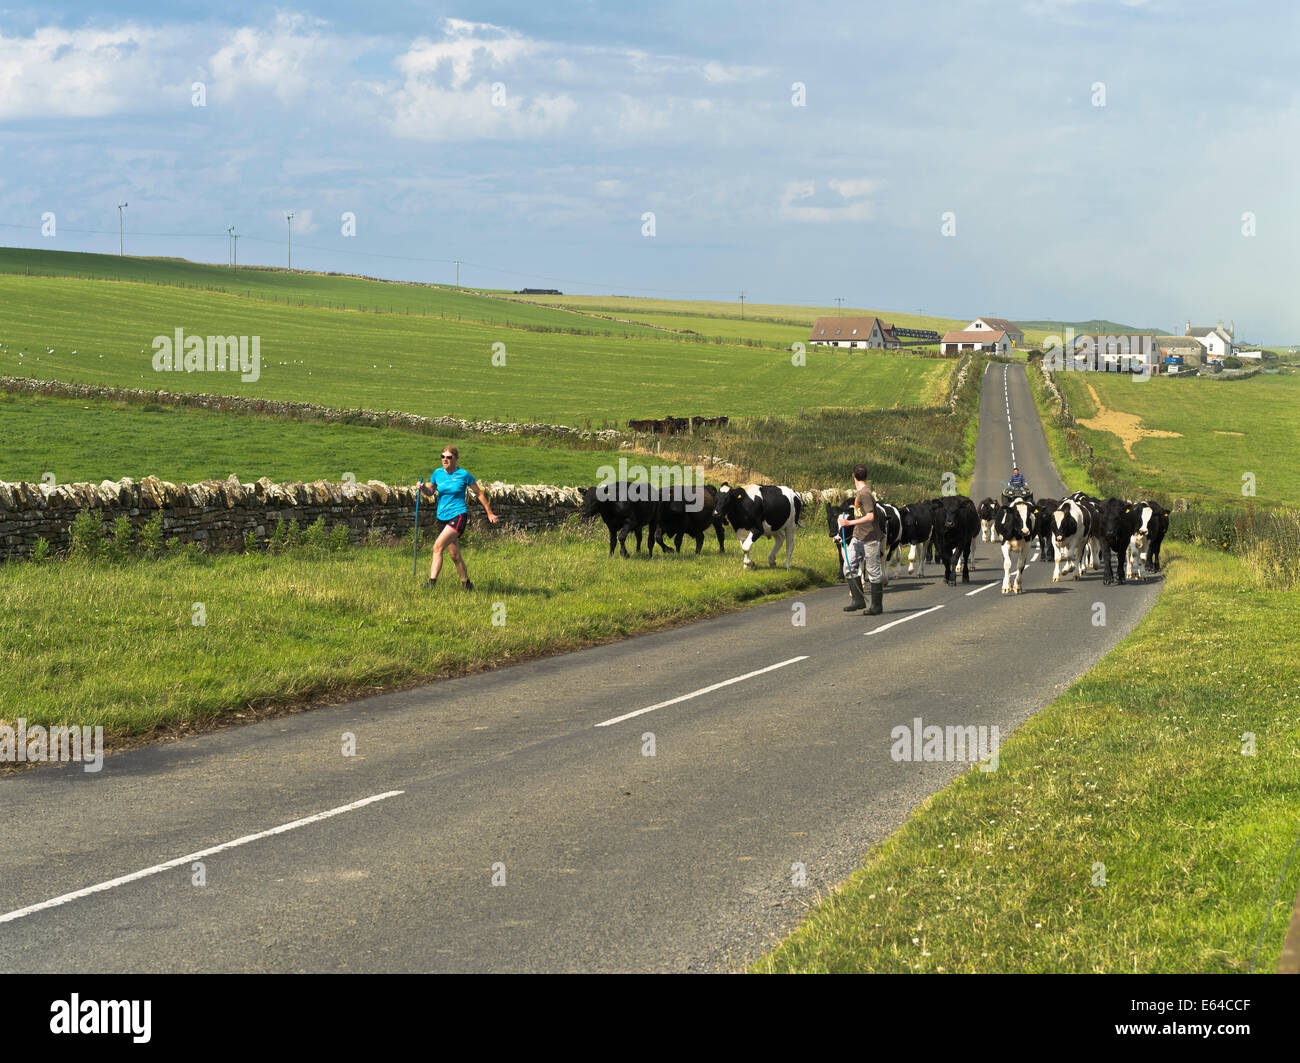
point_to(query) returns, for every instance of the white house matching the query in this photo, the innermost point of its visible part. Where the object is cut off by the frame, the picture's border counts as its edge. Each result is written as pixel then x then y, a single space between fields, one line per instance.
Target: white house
pixel 860 332
pixel 993 340
pixel 1217 340
pixel 1115 353
pixel 998 324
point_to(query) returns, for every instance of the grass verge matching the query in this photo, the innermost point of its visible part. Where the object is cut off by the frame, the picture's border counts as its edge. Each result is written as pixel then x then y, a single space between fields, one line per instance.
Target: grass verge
pixel 116 645
pixel 1139 767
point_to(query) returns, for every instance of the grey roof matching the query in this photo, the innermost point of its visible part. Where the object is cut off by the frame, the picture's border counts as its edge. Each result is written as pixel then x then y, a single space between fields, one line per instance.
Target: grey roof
pixel 1203 331
pixel 1186 342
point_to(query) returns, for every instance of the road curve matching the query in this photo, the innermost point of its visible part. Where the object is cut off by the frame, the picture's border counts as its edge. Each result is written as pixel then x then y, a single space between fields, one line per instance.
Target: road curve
pixel 511 821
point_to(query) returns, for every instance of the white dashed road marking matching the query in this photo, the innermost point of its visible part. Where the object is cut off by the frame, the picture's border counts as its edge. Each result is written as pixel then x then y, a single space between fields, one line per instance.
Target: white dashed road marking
pixel 702 690
pixel 54 902
pixel 904 620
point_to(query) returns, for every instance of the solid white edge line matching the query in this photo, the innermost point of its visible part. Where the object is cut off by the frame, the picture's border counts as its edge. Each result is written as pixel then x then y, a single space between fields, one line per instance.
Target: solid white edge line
pixel 55 902
pixel 904 620
pixel 702 690
pixel 978 589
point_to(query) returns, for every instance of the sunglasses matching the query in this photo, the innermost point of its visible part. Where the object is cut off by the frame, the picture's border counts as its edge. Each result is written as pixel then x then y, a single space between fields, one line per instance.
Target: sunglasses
pixel 448 457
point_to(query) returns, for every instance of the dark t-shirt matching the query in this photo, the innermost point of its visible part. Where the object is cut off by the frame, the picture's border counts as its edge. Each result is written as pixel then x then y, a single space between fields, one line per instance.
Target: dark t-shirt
pixel 865 503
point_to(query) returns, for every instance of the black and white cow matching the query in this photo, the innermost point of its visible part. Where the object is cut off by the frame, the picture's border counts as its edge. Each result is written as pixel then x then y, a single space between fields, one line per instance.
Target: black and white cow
pixel 1091 552
pixel 988 511
pixel 1119 521
pixel 956 523
pixel 1015 529
pixel 1075 524
pixel 687 510
pixel 625 509
pixel 755 510
pixel 1144 547
pixel 833 530
pixel 889 519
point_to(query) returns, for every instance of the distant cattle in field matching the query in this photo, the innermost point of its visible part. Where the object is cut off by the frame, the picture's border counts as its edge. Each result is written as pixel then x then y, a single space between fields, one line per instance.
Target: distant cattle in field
pixel 1015 529
pixel 625 509
pixel 689 510
pixel 988 513
pixel 676 425
pixel 956 524
pixel 1119 520
pixel 755 510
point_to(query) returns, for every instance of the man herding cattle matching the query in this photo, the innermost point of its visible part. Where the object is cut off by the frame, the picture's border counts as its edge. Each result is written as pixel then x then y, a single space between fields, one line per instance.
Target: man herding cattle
pixel 864 548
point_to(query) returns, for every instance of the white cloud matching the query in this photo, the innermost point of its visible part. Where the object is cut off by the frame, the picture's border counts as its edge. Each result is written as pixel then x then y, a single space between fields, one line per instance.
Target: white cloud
pixel 87 73
pixel 302 221
pixel 859 209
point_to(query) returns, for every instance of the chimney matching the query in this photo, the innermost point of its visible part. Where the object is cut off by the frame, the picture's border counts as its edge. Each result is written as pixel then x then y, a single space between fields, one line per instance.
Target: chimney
pixel 1220 323
pixel 1232 327
pixel 1189 329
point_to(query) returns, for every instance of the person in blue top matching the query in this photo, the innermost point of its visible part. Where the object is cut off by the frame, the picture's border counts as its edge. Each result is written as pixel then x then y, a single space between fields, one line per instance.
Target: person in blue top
pixel 450 483
pixel 1018 481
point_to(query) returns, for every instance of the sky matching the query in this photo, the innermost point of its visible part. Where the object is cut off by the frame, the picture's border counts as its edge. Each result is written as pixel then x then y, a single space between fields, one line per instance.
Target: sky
pixel 1049 159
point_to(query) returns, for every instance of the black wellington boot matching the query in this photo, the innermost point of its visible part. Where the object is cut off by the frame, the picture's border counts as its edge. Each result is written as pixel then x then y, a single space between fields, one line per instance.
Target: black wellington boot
pixel 855 592
pixel 877 600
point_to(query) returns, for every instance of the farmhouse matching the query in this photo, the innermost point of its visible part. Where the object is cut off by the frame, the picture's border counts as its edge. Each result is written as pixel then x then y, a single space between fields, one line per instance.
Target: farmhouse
pixel 998 324
pixel 995 341
pixel 1111 354
pixel 1217 340
pixel 864 332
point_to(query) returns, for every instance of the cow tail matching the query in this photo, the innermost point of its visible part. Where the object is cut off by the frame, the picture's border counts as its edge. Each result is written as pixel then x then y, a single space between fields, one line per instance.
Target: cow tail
pixel 798 509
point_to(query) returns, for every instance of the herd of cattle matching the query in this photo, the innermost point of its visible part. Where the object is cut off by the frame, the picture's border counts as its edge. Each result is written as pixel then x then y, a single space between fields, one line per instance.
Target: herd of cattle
pixel 677 425
pixel 1078 533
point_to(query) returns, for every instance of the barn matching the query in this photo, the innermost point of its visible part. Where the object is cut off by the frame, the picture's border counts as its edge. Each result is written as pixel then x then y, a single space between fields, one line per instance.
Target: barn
pixel 995 341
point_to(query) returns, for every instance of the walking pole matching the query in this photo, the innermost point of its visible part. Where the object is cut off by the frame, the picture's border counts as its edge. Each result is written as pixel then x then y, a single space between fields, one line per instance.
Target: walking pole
pixel 415 560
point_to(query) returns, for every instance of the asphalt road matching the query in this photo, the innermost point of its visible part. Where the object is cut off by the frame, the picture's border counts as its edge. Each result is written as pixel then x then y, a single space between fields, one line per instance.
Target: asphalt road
pixel 760 793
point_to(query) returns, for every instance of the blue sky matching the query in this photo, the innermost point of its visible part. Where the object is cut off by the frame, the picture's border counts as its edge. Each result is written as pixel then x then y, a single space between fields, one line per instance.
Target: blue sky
pixel 528 141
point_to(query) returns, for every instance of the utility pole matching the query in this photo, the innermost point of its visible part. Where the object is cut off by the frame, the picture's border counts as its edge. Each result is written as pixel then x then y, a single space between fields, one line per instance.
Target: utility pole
pixel 457 273
pixel 742 306
pixel 230 230
pixel 288 218
pixel 235 252
pixel 120 207
pixel 839 304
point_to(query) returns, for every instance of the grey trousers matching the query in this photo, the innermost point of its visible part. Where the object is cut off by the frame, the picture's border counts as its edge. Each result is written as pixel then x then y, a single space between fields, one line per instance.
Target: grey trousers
pixel 864 555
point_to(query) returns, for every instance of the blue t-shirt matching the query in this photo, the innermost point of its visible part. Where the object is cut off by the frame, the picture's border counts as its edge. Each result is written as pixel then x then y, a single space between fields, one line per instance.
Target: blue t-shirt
pixel 451 491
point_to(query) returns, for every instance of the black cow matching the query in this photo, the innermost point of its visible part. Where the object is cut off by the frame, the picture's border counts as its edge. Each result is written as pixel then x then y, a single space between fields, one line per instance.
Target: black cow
pixel 1119 520
pixel 917 519
pixel 988 512
pixel 956 523
pixel 1043 510
pixel 684 511
pixel 758 510
pixel 625 509
pixel 833 528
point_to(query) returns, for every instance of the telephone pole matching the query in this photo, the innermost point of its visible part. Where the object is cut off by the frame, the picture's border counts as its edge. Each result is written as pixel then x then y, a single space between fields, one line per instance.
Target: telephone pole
pixel 288 218
pixel 457 273
pixel 120 207
pixel 230 234
pixel 839 304
pixel 235 252
pixel 742 306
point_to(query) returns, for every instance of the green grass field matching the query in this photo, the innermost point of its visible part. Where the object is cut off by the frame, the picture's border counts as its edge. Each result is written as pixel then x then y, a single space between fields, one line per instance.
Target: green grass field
pixel 1138 767
pixel 430 366
pixel 92 441
pixel 311 289
pixel 114 644
pixel 1228 428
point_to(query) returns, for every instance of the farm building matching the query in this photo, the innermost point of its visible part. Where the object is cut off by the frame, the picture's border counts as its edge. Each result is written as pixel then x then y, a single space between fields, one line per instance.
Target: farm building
pixel 1108 353
pixel 862 332
pixel 993 340
pixel 998 324
pixel 1188 348
pixel 1216 340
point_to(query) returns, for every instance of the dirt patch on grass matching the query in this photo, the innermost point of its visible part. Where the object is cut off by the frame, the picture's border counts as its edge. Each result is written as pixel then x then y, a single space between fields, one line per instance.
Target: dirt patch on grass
pixel 1222 432
pixel 1126 426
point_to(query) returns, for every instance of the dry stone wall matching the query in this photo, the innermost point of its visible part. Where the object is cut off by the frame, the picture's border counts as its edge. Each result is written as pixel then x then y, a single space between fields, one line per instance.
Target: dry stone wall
pixel 219 514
